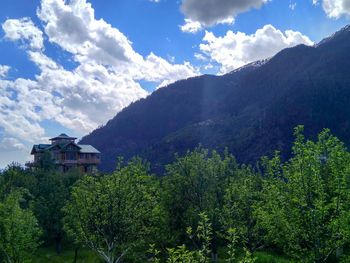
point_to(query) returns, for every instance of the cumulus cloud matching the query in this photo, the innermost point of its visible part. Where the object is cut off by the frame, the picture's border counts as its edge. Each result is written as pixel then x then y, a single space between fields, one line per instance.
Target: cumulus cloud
pixel 335 8
pixel 204 13
pixel 105 80
pixel 237 49
pixel 4 69
pixel 191 26
pixel 74 28
pixel 24 29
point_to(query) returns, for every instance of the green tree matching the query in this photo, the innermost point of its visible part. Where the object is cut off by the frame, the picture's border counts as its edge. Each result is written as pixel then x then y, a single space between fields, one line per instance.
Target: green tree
pixel 305 208
pixel 115 214
pixel 19 230
pixel 201 238
pixel 241 195
pixel 13 177
pixel 52 191
pixel 194 184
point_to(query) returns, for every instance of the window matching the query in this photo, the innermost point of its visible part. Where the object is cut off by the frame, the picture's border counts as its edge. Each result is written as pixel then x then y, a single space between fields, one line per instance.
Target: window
pixel 71 155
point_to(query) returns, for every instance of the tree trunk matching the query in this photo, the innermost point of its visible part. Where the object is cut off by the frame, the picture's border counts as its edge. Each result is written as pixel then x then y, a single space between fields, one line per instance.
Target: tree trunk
pixel 214 254
pixel 58 244
pixel 75 255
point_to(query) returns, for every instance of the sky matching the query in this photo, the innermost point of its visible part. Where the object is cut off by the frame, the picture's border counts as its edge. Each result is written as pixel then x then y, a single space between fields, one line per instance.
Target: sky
pixel 70 66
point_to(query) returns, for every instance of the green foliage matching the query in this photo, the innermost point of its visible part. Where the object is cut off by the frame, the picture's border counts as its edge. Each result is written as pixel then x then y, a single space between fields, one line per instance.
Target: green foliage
pixel 305 208
pixel 15 177
pixel 46 162
pixel 52 191
pixel 115 213
pixel 19 230
pixel 155 253
pixel 268 257
pixel 232 238
pixel 248 257
pixel 48 254
pixel 201 238
pixel 242 193
pixel 194 184
pixel 299 208
pixel 181 254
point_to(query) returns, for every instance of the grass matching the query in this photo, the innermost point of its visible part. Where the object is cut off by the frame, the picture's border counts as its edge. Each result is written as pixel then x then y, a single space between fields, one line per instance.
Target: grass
pixel 267 257
pixel 261 256
pixel 45 255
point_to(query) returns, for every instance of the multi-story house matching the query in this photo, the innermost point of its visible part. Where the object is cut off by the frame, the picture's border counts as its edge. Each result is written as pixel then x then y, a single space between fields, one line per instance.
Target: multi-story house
pixel 67 154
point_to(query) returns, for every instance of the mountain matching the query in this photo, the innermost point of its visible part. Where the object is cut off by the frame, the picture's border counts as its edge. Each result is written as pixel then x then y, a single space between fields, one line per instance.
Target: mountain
pixel 252 111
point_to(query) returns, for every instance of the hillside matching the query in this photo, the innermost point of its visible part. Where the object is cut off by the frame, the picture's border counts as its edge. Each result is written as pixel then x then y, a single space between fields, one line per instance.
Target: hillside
pixel 252 111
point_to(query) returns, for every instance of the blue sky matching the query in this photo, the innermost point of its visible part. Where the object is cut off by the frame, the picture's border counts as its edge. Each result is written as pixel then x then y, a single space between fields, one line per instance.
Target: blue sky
pixel 70 66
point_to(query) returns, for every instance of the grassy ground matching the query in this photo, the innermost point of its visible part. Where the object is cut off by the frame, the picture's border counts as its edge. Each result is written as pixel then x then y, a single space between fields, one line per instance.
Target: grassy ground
pixel 48 255
pixel 265 257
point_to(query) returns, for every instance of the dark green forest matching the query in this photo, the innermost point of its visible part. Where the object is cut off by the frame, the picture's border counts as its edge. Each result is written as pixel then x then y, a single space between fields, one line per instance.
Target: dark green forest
pixel 205 207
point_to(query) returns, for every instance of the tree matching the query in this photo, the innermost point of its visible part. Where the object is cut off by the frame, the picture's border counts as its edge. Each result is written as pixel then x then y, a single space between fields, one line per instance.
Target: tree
pixel 15 177
pixel 201 237
pixel 115 213
pixel 19 230
pixel 195 184
pixel 305 209
pixel 51 194
pixel 241 195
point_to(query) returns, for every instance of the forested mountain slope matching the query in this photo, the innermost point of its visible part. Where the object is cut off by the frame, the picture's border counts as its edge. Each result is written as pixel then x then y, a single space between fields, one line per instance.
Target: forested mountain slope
pixel 251 111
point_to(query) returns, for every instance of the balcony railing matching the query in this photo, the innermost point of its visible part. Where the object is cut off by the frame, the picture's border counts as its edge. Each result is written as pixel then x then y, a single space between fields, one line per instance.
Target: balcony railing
pixel 69 162
pixel 89 161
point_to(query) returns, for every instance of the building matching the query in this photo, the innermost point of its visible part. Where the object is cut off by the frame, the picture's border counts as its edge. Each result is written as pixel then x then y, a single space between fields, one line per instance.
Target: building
pixel 67 154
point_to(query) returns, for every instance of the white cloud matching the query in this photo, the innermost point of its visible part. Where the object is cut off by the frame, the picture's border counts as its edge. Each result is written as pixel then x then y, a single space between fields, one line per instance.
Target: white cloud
pixel 200 56
pixel 74 28
pixel 208 66
pixel 191 26
pixel 205 13
pixel 292 6
pixel 10 144
pixel 158 69
pixel 335 8
pixel 237 49
pixel 104 81
pixel 24 29
pixel 4 69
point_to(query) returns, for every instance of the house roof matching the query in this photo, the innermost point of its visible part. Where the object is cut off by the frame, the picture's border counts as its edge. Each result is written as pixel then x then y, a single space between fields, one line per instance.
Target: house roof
pixel 40 147
pixel 83 148
pixel 87 148
pixel 62 146
pixel 62 136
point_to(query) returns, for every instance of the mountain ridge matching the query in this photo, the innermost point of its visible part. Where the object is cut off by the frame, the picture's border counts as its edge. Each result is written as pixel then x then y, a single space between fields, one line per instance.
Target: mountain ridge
pixel 251 111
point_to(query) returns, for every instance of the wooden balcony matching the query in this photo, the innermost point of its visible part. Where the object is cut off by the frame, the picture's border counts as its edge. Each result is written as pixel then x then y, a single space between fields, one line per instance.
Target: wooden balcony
pixel 89 161
pixel 68 161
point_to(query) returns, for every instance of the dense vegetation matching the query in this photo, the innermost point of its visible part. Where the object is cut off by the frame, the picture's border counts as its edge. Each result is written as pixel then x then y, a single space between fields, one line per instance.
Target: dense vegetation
pixel 251 111
pixel 208 208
